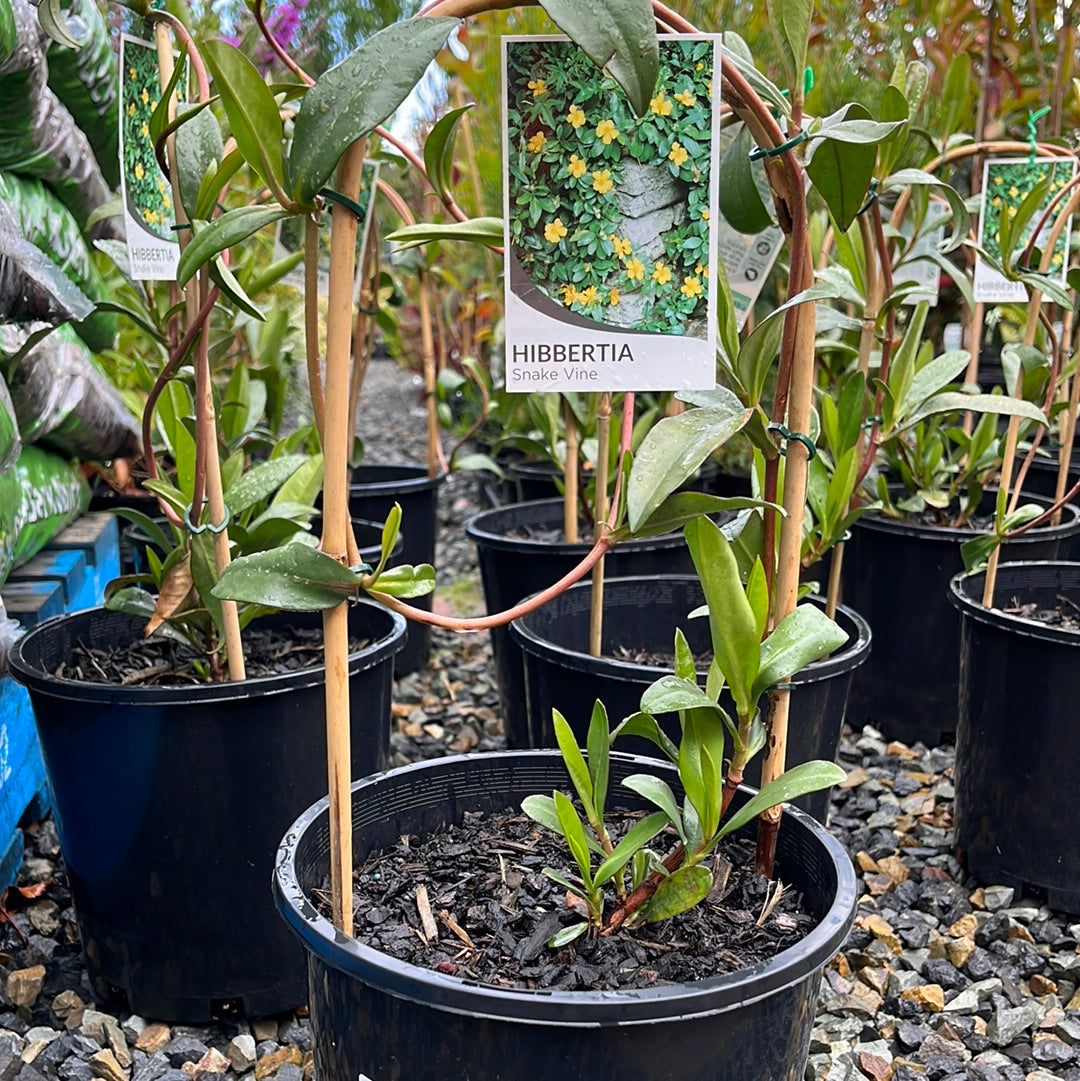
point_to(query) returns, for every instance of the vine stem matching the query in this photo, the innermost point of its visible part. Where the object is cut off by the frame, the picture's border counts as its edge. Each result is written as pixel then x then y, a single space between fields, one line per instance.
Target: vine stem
pixel 596 601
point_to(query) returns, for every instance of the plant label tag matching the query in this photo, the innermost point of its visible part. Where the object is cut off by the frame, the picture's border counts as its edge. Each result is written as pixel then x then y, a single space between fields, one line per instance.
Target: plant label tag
pixel 289 239
pixel 917 267
pixel 610 220
pixel 1006 184
pixel 149 219
pixel 747 257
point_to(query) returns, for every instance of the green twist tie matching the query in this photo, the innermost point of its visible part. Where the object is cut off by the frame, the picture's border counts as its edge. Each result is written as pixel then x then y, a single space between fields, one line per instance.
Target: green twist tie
pixel 343 200
pixel 1033 119
pixel 871 198
pixel 871 421
pixel 195 530
pixel 799 437
pixel 807 80
pixel 362 568
pixel 182 225
pixel 774 151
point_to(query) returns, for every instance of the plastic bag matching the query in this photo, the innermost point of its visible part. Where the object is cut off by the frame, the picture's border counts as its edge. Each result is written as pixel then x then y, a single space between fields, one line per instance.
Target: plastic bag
pixel 64 399
pixel 10 629
pixel 86 81
pixel 38 136
pixel 32 287
pixel 10 443
pixel 49 226
pixel 51 492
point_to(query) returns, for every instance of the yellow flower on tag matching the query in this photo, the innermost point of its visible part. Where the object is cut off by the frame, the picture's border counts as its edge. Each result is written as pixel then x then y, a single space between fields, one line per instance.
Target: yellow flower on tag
pixel 704 215
pixel 686 97
pixel 690 287
pixel 601 181
pixel 613 297
pixel 138 171
pixel 576 117
pixel 588 296
pixel 622 245
pixel 635 270
pixel 536 143
pixel 576 167
pixel 661 274
pixel 145 96
pixel 554 231
pixel 607 132
pixel 569 294
pixel 660 105
pixel 678 154
pixel 538 87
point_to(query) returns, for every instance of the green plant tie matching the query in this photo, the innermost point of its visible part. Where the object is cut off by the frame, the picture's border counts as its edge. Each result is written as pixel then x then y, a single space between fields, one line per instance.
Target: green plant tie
pixel 362 568
pixel 1033 119
pixel 799 437
pixel 345 201
pixel 871 198
pixel 368 311
pixel 807 80
pixel 195 530
pixel 181 225
pixel 774 151
pixel 871 421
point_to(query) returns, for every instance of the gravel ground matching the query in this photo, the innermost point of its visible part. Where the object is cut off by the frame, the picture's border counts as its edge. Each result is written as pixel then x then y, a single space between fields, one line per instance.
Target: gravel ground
pixel 939 980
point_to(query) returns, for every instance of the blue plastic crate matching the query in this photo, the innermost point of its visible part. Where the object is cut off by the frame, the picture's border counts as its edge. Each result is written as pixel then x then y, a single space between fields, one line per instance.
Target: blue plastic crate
pixel 69 574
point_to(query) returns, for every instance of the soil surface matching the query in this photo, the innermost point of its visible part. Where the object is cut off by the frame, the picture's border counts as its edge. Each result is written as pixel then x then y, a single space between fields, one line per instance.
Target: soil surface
pixel 1065 614
pixel 657 658
pixel 472 900
pixel 162 662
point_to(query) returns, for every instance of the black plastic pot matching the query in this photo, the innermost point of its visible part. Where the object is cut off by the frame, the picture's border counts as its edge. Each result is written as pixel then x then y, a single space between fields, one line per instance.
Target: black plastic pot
pixel 896 574
pixel 1016 815
pixel 378 1018
pixel 373 492
pixel 517 558
pixel 170 801
pixel 642 614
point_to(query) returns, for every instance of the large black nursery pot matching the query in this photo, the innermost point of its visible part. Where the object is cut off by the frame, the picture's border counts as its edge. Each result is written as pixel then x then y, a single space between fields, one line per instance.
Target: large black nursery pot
pixel 641 614
pixel 896 574
pixel 381 1019
pixel 518 557
pixel 169 803
pixel 372 494
pixel 1017 744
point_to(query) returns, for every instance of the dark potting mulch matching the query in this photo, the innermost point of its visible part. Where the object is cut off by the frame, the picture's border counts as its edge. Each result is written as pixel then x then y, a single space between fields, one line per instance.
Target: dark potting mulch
pixel 657 658
pixel 472 900
pixel 1065 614
pixel 164 662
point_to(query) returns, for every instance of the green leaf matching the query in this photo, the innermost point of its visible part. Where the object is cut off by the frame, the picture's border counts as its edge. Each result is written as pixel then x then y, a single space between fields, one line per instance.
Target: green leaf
pixel 250 106
pixel 486 231
pixel 575 763
pixel 390 531
pixel 542 809
pixel 659 793
pixel 148 526
pixel 740 200
pixel 261 481
pixel 567 935
pixel 304 485
pixel 574 832
pixel 867 132
pixel 681 507
pixel 159 118
pixel 646 727
pixel 211 184
pixel 204 576
pixel 199 149
pixel 804 635
pixel 669 694
pixel 226 281
pixel 757 593
pixel 756 357
pixel 619 36
pixel 797 781
pixel 439 151
pixel 598 744
pixel 841 172
pixel 932 377
pixel 639 835
pixel 351 98
pixel 685 668
pixel 956 95
pixel 563 881
pixel 231 228
pixel 674 450
pixel 404 581
pixel 789 21
pixel 732 623
pixel 960 216
pixel 296 578
pixel 957 401
pixel 679 892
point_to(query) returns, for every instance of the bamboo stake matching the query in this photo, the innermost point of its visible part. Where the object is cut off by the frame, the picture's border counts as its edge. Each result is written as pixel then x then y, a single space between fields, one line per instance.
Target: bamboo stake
pixel 311 325
pixel 430 403
pixel 1067 425
pixel 603 442
pixel 335 526
pixel 570 476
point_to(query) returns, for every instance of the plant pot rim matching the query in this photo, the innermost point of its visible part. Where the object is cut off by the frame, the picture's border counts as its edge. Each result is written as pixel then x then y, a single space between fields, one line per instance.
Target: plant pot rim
pixel 965 594
pixel 36 679
pixel 576 1008
pixel 400 478
pixel 480 530
pixel 854 652
pixel 877 522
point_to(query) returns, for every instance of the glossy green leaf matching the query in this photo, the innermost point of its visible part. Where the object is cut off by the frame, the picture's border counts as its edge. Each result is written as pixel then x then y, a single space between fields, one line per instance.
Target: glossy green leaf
pixel 567 935
pixel 957 401
pixel 681 507
pixel 797 781
pixel 575 763
pixel 740 200
pixel 804 635
pixel 598 744
pixel 685 668
pixel 679 892
pixel 204 577
pixel 159 118
pixel 657 792
pixel 574 832
pixel 304 485
pixel 351 98
pixel 842 171
pixel 199 149
pixel 563 881
pixel 618 36
pixel 957 95
pixel 674 450
pixel 670 693
pixel 259 482
pixel 646 727
pixel 639 835
pixel 542 809
pixel 211 184
pixel 250 106
pixel 756 357
pixel 231 228
pixel 390 532
pixel 701 762
pixel 296 578
pixel 231 289
pixel 757 593
pixel 439 151
pixel 960 217
pixel 865 132
pixel 405 581
pixel 789 21
pixel 486 231
pixel 931 378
